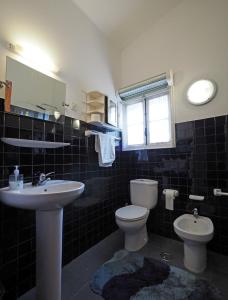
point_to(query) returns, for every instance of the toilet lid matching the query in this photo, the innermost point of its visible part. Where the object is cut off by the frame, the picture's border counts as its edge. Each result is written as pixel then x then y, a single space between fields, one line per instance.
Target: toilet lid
pixel 131 212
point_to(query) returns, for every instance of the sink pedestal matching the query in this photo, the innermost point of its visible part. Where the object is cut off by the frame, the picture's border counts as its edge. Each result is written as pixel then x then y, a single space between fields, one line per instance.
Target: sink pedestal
pixel 195 256
pixel 48 254
pixel 48 200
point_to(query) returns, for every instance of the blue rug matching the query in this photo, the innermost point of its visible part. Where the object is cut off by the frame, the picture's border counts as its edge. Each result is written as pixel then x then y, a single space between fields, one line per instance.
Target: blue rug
pixel 130 276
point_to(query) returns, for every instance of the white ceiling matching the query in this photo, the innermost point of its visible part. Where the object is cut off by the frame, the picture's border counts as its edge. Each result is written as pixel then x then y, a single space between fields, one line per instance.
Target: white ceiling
pixel 108 14
pixel 123 20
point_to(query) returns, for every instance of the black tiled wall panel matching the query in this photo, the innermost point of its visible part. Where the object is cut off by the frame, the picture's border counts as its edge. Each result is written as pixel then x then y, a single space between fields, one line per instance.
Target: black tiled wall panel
pixel 197 164
pixel 86 221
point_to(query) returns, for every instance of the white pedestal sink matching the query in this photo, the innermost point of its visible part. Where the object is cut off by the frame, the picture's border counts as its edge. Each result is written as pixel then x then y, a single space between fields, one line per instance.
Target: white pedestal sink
pixel 48 201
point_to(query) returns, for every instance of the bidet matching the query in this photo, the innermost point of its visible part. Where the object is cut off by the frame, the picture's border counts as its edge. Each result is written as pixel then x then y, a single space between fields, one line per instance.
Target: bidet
pixel 195 232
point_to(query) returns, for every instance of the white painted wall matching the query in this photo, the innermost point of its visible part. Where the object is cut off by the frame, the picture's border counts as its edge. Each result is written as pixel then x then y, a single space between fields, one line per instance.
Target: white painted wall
pixel 85 58
pixel 192 40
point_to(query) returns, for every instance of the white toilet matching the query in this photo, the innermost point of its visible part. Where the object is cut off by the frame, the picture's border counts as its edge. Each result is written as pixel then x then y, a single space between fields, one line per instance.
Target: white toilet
pixel 132 218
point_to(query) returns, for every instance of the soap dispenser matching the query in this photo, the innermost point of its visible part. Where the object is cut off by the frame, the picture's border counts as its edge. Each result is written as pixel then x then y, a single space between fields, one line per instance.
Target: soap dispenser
pixel 16 180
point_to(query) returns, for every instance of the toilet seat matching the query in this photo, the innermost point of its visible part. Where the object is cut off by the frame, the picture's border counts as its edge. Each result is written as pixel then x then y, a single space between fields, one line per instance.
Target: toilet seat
pixel 131 213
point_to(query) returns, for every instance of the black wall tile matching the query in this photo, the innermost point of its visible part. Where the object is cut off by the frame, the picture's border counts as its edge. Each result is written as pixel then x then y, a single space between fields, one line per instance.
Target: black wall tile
pixel 195 169
pixel 86 215
pixel 198 164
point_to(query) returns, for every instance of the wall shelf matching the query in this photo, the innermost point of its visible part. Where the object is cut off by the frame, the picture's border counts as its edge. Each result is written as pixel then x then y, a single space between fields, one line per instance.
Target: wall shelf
pixel 95 106
pixel 33 143
pixel 104 125
pixel 95 103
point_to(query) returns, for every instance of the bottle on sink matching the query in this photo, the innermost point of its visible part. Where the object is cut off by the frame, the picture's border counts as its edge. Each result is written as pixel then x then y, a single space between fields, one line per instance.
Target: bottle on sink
pixel 16 180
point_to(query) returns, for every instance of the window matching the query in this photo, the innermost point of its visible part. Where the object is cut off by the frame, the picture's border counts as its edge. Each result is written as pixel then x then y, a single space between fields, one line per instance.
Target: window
pixel 159 127
pixel 135 124
pixel 147 117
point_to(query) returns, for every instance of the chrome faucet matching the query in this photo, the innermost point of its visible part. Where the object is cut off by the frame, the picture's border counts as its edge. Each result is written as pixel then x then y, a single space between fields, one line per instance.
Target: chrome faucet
pixel 195 213
pixel 43 178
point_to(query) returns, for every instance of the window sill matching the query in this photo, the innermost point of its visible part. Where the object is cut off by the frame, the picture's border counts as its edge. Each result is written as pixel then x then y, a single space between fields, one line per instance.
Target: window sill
pixel 149 147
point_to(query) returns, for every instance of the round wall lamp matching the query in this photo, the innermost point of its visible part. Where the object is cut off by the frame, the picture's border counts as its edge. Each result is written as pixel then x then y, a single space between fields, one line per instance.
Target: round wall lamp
pixel 201 91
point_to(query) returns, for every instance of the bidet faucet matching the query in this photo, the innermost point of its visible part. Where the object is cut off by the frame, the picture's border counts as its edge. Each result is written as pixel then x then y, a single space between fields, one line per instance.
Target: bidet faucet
pixel 43 178
pixel 195 213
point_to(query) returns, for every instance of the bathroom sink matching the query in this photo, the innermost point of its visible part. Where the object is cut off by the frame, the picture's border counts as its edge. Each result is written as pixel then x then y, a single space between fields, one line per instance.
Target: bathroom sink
pixel 54 194
pixel 48 200
pixel 199 229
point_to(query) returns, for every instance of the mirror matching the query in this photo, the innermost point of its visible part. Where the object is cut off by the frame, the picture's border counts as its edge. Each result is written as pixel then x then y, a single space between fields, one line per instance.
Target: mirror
pixel 201 91
pixel 35 91
pixel 111 112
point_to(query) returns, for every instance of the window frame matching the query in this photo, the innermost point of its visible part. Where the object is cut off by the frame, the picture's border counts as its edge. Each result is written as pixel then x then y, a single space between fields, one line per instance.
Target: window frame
pixel 145 99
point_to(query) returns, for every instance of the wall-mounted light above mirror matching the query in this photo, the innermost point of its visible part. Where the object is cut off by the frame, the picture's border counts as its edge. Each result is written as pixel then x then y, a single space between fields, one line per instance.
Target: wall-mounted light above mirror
pixel 201 91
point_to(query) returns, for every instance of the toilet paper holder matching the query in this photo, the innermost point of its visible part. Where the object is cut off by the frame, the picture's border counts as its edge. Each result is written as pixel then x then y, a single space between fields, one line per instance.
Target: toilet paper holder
pixel 176 193
pixel 170 195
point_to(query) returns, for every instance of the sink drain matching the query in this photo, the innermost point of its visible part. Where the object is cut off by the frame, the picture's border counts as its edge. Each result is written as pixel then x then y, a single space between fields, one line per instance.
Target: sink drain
pixel 166 256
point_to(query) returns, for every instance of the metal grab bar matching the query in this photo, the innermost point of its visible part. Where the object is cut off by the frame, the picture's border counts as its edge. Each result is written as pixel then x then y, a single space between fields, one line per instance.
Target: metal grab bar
pixel 218 192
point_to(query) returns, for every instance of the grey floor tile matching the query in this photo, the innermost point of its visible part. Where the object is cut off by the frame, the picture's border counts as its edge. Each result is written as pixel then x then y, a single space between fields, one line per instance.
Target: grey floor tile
pixel 218 262
pixel 157 245
pixel 79 271
pixel 30 295
pixel 85 293
pixel 77 274
pixel 219 279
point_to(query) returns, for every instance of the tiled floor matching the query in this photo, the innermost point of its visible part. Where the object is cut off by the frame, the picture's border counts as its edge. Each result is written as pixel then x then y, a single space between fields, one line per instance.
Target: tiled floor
pixel 77 274
pixel 217 267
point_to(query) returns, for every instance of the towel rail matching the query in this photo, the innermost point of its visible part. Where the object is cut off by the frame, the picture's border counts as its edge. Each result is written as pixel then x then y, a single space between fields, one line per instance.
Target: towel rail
pixel 94 132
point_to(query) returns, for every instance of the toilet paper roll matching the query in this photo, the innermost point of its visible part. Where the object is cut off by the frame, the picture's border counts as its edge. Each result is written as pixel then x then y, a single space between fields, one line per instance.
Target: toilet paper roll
pixel 169 198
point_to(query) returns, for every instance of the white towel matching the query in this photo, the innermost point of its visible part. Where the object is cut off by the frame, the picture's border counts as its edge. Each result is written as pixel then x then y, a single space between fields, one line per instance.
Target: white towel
pixel 105 147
